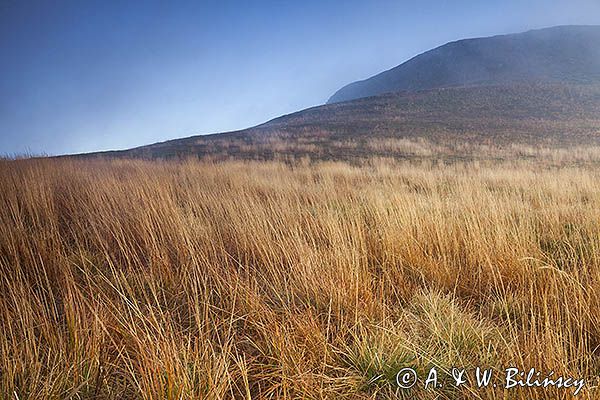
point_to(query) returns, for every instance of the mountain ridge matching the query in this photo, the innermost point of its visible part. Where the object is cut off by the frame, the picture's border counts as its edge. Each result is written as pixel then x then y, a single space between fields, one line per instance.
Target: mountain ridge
pixel 529 112
pixel 560 54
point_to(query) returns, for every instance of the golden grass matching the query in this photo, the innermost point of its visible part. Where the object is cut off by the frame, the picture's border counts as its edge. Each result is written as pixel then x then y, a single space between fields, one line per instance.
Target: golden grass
pixel 156 280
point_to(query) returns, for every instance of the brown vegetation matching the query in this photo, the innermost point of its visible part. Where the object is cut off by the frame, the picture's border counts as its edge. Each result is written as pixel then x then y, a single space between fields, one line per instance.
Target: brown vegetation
pixel 453 124
pixel 176 280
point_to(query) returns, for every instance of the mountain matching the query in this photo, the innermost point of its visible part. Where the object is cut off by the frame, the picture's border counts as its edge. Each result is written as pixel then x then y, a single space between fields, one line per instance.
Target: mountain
pixel 497 97
pixel 564 54
pixel 436 124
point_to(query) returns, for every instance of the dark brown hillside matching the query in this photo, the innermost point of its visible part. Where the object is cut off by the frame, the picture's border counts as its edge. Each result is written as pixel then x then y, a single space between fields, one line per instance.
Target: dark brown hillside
pixel 440 122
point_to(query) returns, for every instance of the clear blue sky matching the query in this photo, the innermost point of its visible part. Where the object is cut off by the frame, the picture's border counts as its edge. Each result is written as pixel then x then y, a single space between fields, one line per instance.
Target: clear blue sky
pixel 80 76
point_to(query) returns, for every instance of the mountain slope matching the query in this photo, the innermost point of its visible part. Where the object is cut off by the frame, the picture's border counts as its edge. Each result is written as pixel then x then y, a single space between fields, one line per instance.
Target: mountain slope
pixel 568 54
pixel 434 124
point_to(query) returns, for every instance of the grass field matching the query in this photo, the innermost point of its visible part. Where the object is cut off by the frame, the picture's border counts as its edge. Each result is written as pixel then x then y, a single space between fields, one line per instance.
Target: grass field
pixel 189 279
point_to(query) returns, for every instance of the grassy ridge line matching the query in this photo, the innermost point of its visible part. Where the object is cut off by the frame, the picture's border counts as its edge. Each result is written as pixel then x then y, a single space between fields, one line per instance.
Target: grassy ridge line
pixel 456 121
pixel 131 279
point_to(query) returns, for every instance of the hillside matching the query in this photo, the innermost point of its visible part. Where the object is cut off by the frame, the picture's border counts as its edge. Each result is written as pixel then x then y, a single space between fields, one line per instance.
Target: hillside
pixel 567 54
pixel 439 123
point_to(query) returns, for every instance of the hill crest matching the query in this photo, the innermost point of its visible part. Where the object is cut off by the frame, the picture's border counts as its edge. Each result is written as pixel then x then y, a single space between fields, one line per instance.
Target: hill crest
pixel 563 54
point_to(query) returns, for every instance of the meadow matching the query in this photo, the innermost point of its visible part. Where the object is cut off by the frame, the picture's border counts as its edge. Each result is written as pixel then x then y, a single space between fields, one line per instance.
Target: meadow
pixel 131 279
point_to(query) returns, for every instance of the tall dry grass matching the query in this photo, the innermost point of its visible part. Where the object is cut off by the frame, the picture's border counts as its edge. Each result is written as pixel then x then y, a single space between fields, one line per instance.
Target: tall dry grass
pixel 131 279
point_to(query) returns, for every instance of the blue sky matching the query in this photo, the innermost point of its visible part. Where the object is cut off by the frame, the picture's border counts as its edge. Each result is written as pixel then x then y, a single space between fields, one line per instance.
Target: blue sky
pixel 79 76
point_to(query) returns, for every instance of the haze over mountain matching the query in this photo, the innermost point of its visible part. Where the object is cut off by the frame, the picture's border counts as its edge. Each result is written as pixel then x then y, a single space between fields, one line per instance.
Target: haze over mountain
pixel 567 54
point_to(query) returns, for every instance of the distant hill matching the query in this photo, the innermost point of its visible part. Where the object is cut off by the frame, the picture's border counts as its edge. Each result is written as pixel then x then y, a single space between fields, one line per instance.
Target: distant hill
pixel 494 96
pixel 430 124
pixel 564 54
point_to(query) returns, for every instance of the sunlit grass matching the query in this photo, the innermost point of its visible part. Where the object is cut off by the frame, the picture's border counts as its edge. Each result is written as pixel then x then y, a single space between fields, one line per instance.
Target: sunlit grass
pixel 132 279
